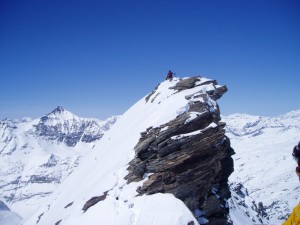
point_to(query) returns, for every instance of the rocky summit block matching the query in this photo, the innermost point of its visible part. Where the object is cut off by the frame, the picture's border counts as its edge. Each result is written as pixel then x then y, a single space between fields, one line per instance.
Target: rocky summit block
pixel 189 157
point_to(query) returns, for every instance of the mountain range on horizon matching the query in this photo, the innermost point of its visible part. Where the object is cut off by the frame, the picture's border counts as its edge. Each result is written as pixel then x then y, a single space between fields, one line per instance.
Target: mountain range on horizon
pixel 39 155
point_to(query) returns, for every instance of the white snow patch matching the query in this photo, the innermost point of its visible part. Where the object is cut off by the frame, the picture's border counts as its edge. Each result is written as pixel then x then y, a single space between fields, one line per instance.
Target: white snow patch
pixel 212 125
pixel 165 128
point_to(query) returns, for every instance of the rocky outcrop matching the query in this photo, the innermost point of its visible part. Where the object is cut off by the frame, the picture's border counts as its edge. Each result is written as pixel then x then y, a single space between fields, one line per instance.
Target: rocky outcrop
pixel 94 201
pixel 189 156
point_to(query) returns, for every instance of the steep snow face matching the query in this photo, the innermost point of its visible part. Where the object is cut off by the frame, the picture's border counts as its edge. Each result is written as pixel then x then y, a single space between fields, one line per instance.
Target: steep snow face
pixel 100 176
pixel 8 217
pixel 264 185
pixel 37 155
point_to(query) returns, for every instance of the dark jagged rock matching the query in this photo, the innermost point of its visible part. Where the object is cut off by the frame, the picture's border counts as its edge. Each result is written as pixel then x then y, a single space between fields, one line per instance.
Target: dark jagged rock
pixel 189 156
pixel 43 179
pixel 51 162
pixel 71 203
pixel 94 201
pixel 58 109
pixel 58 222
pixel 39 218
pixel 186 84
pixel 152 93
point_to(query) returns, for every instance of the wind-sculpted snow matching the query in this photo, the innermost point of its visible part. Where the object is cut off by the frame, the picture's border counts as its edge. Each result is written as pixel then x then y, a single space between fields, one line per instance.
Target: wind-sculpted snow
pixel 264 185
pixel 97 193
pixel 37 155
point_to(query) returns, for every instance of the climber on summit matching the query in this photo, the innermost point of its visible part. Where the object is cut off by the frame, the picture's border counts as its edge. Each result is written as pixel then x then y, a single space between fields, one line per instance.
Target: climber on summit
pixel 169 75
pixel 294 218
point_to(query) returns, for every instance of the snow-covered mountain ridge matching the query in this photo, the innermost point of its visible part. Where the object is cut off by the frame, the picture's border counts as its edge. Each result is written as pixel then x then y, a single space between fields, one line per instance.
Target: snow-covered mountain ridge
pixel 37 155
pixel 243 124
pixel 106 188
pixel 264 186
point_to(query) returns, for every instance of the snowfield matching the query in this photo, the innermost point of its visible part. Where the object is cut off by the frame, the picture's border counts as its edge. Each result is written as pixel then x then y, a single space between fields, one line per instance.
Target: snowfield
pixel 264 184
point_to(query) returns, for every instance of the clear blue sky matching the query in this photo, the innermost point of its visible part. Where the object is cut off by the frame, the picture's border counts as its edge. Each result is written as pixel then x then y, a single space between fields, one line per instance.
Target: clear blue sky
pixel 97 58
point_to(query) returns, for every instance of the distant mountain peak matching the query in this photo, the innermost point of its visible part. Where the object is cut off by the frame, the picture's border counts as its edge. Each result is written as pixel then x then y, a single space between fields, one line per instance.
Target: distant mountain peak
pixel 58 110
pixel 58 114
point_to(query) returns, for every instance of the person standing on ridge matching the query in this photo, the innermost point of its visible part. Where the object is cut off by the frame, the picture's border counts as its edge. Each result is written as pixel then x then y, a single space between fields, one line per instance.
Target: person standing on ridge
pixel 294 218
pixel 169 75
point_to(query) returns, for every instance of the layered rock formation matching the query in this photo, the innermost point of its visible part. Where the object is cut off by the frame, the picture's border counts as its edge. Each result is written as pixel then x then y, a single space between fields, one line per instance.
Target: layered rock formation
pixel 190 156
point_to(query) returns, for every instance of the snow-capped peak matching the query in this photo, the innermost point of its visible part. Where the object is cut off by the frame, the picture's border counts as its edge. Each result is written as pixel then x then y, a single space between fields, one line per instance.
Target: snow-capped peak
pixel 63 126
pixel 58 109
pixel 58 115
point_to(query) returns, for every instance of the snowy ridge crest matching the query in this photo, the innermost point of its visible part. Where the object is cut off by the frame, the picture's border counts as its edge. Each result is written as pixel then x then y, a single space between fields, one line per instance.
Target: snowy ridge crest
pixel 183 111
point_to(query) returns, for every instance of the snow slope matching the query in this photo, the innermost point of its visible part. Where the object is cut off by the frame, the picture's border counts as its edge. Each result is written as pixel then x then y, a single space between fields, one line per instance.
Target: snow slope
pixel 7 217
pixel 264 185
pixel 101 174
pixel 37 155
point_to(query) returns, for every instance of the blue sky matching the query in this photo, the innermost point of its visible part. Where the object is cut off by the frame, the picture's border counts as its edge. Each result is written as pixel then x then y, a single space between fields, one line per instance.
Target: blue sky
pixel 97 58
